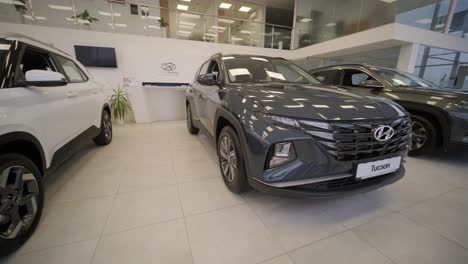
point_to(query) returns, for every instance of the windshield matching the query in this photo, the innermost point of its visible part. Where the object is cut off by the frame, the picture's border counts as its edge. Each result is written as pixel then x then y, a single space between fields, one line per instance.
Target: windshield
pixel 251 69
pixel 402 79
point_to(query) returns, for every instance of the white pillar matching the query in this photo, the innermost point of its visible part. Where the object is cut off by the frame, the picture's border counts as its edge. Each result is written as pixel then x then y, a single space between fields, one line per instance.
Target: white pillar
pixel 408 56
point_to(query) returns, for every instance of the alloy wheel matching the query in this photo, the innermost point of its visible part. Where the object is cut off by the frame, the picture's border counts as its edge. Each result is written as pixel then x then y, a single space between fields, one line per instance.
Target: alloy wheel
pixel 107 123
pixel 19 194
pixel 418 135
pixel 228 158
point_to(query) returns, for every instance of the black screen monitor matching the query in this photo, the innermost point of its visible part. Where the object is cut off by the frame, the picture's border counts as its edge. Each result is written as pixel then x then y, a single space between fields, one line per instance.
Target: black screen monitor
pixel 96 56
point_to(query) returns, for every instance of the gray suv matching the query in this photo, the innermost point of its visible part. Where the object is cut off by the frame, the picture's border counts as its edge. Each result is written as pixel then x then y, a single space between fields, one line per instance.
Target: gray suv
pixel 279 130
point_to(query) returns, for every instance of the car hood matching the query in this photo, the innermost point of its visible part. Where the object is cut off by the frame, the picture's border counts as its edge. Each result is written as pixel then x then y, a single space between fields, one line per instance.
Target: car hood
pixel 444 93
pixel 317 102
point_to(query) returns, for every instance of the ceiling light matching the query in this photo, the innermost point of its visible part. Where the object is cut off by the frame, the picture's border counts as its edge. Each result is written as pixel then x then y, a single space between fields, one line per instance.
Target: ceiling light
pixel 227 21
pixel 210 34
pixel 305 20
pixel 219 28
pixel 244 9
pixel 11 2
pixel 60 7
pixel 153 26
pixel 102 13
pixel 245 32
pixel 424 21
pixel 236 39
pixel 185 0
pixel 388 1
pixel 117 25
pixel 187 15
pixel 185 32
pixel 151 17
pixel 187 23
pixel 332 24
pixel 35 18
pixel 186 26
pixel 182 7
pixel 225 5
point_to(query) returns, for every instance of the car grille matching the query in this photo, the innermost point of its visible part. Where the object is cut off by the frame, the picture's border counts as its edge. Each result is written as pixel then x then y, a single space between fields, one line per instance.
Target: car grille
pixel 354 140
pixel 348 183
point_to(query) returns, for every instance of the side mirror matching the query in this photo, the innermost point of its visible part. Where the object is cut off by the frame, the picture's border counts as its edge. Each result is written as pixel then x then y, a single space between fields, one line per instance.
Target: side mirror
pixel 43 78
pixel 207 79
pixel 371 84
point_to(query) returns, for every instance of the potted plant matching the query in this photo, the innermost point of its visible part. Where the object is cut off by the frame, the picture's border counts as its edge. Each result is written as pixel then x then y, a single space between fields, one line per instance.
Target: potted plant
pixel 120 105
pixel 85 18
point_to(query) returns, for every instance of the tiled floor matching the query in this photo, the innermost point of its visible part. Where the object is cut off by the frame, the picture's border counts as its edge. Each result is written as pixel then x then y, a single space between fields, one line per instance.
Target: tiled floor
pixel 155 195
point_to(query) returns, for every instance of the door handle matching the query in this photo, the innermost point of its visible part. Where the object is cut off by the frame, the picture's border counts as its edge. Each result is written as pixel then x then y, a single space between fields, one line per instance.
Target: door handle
pixel 72 94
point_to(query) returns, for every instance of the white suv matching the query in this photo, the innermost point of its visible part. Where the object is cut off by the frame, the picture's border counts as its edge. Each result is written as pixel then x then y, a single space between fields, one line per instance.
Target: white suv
pixel 48 106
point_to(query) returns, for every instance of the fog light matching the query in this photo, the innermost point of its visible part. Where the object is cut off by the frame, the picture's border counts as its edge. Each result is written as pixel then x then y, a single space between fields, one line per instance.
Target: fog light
pixel 282 153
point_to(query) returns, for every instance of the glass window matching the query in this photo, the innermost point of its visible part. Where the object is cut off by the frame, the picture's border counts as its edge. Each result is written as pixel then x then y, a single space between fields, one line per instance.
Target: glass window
pixel 71 70
pixel 327 77
pixel 4 48
pixel 214 69
pixel 203 69
pixel 354 78
pixel 35 60
pixel 249 69
pixel 401 79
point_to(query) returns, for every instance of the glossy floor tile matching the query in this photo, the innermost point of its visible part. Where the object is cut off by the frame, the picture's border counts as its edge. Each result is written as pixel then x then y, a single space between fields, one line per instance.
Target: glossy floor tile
pixel 155 195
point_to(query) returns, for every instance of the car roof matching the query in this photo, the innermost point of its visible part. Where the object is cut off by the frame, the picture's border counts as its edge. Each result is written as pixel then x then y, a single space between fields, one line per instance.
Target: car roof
pixel 35 42
pixel 244 56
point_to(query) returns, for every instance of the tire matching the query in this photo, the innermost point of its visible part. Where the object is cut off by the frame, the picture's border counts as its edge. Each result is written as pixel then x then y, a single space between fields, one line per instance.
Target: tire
pixel 105 136
pixel 424 136
pixel 190 127
pixel 235 179
pixel 31 185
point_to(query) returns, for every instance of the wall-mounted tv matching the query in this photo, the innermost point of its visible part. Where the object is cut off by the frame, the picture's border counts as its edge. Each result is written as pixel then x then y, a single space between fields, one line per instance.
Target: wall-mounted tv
pixel 96 56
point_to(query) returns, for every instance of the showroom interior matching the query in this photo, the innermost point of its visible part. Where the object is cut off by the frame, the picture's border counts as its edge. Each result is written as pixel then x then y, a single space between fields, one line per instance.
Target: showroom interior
pixel 220 137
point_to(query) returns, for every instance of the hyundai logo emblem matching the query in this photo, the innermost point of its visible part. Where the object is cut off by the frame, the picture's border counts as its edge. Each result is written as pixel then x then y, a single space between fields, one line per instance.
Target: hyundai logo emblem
pixel 168 66
pixel 384 133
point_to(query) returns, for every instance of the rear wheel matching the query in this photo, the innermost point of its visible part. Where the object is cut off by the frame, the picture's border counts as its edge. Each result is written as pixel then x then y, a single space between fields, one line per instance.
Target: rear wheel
pixel 21 201
pixel 105 136
pixel 423 136
pixel 231 161
pixel 191 128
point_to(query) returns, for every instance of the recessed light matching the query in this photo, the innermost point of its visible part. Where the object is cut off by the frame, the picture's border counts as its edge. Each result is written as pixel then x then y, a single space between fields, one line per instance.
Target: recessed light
pixel 332 24
pixel 244 9
pixel 182 7
pixel 36 17
pixel 185 32
pixel 187 15
pixel 151 17
pixel 225 5
pixel 153 26
pixel 186 0
pixel 424 21
pixel 118 25
pixel 210 34
pixel 60 7
pixel 102 13
pixel 305 20
pixel 186 26
pixel 187 23
pixel 11 2
pixel 219 28
pixel 227 21
pixel 245 32
pixel 236 39
pixel 388 1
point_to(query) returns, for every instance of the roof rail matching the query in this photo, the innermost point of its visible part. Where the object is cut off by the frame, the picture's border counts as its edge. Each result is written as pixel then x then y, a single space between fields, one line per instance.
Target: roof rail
pixel 19 36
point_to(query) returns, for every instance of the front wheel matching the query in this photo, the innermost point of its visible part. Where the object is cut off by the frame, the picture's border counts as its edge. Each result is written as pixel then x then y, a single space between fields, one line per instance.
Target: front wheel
pixel 190 127
pixel 21 201
pixel 423 136
pixel 231 161
pixel 105 136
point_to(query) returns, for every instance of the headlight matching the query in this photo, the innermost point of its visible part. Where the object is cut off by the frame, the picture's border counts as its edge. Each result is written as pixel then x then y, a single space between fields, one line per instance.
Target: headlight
pixel 282 153
pixel 284 120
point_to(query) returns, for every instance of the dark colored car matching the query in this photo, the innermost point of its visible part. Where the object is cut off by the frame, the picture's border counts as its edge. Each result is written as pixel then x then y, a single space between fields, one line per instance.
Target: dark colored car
pixel 280 131
pixel 439 117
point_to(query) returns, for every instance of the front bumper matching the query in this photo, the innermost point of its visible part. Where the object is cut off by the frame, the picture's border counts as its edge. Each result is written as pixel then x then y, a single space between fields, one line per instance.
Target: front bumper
pixel 331 188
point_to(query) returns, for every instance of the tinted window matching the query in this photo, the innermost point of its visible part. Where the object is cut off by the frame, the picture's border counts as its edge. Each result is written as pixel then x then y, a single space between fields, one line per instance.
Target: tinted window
pixel 214 69
pixel 250 69
pixel 354 77
pixel 402 79
pixel 71 70
pixel 327 77
pixel 35 60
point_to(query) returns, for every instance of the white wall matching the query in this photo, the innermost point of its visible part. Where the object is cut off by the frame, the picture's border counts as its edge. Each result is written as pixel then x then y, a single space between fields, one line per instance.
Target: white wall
pixel 138 57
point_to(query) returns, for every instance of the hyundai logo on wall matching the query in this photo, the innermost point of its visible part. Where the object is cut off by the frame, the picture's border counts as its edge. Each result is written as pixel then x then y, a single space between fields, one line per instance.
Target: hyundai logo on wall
pixel 168 66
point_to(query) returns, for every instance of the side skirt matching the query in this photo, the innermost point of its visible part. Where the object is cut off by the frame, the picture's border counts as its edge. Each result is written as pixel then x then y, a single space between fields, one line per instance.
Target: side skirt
pixel 67 150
